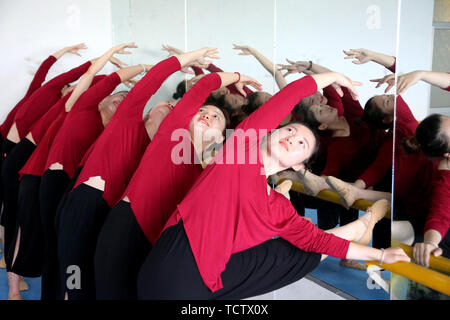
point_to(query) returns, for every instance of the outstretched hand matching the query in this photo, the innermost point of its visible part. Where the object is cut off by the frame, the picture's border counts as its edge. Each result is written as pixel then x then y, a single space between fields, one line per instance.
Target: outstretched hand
pixel 171 50
pixel 360 55
pixel 120 49
pixel 247 81
pixel 389 80
pixel 343 81
pixel 119 64
pixel 245 50
pixel 204 53
pixel 74 49
pixel 294 67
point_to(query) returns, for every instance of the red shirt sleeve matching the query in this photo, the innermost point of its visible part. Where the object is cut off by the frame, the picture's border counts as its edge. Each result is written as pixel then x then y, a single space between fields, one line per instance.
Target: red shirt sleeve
pixel 40 75
pixel 274 110
pixel 198 71
pixel 334 100
pixel 68 77
pixel 35 84
pixel 377 170
pixel 101 87
pixel 134 103
pixel 302 233
pixel 394 66
pixel 406 124
pixel 439 214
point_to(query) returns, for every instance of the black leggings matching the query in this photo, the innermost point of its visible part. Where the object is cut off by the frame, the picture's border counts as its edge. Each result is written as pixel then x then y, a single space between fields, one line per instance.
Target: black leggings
pixel 170 271
pixel 7 146
pixel 11 166
pixel 121 249
pixel 54 185
pixel 81 219
pixel 29 259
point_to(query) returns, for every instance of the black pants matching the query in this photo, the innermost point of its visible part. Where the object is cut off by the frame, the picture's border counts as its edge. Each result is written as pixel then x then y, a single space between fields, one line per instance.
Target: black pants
pixel 7 146
pixel 11 166
pixel 80 222
pixel 29 259
pixel 329 215
pixel 54 184
pixel 170 271
pixel 121 249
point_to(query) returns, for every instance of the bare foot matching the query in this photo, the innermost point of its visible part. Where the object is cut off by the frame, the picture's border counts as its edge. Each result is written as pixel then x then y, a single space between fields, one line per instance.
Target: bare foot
pixel 373 214
pixel 15 297
pixel 23 286
pixel 344 189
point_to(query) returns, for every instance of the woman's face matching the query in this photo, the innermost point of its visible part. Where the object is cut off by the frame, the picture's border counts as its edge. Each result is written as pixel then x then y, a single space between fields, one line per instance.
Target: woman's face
pixel 291 145
pixel 209 122
pixel 385 103
pixel 235 101
pixel 156 115
pixel 324 113
pixel 314 99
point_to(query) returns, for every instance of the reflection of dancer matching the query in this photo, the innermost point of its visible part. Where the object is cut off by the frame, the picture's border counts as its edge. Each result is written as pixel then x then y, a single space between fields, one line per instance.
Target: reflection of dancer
pixel 146 207
pixel 350 149
pixel 240 103
pixel 216 244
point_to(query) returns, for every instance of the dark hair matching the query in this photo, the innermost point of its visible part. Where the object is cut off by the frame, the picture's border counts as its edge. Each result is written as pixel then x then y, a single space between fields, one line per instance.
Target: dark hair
pixel 307 116
pixel 431 139
pixel 373 116
pixel 252 103
pixel 181 90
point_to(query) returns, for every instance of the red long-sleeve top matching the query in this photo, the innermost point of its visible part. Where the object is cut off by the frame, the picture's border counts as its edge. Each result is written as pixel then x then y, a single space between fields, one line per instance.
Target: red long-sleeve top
pixel 44 98
pixel 35 84
pixel 228 208
pixel 82 126
pixel 439 214
pixel 349 156
pixel 119 148
pixel 39 128
pixel 169 181
pixel 213 69
pixel 36 163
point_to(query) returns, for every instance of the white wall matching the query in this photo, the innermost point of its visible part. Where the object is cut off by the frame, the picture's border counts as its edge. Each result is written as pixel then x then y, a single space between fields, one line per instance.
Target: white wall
pixel 32 30
pixel 416 50
pixel 301 30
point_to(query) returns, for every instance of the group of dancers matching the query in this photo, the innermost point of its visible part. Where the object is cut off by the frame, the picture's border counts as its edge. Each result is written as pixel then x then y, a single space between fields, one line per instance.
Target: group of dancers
pixel 104 201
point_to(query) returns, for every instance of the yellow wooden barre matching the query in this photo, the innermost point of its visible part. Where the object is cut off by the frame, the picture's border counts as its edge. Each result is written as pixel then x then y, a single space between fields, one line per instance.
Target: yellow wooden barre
pixel 332 196
pixel 437 263
pixel 429 278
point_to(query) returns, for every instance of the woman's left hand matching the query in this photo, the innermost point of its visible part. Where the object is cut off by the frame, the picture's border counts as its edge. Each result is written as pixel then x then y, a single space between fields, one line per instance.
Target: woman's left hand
pixel 422 252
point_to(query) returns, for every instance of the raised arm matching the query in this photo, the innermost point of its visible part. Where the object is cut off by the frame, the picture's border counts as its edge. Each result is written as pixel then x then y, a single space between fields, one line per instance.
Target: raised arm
pixel 265 62
pixel 71 49
pixel 362 56
pixel 274 110
pixel 87 78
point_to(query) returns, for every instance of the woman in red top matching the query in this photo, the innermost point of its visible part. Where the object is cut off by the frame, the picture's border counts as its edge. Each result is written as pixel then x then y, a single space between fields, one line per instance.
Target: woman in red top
pixel 105 174
pixel 240 103
pixel 27 258
pixel 219 241
pixel 433 138
pixel 36 83
pixel 146 207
